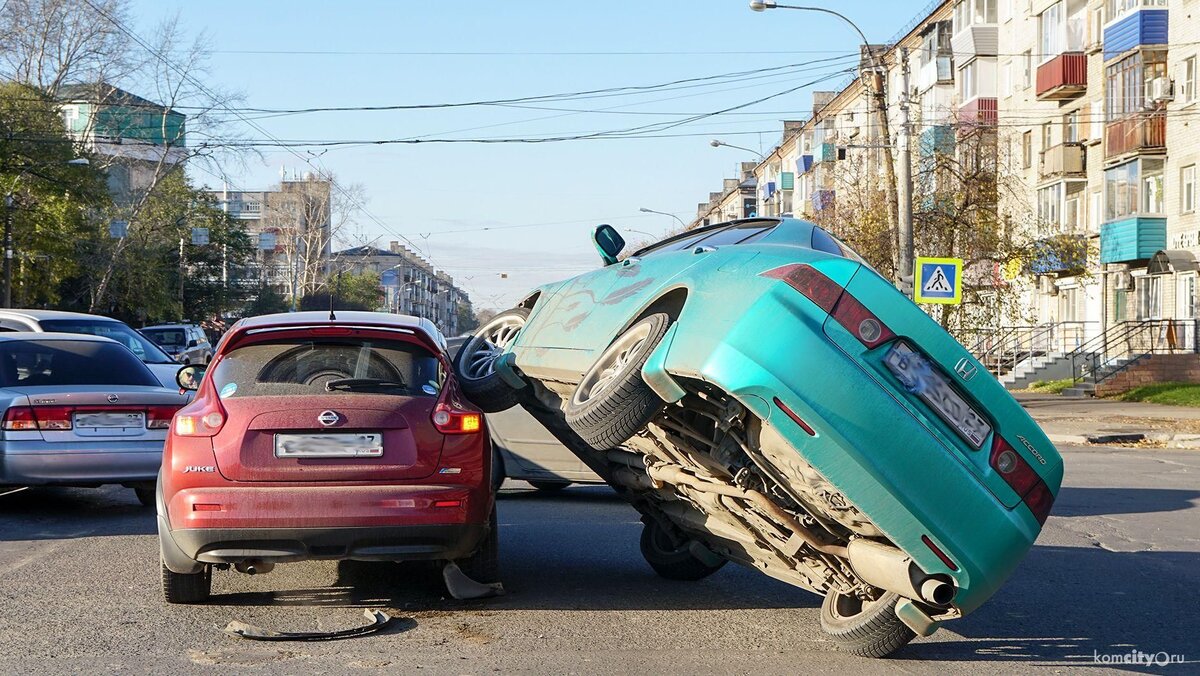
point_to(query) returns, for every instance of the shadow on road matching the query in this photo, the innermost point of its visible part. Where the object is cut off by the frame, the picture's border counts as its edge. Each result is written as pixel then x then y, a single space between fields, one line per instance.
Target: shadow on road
pixel 50 513
pixel 1068 604
pixel 1105 501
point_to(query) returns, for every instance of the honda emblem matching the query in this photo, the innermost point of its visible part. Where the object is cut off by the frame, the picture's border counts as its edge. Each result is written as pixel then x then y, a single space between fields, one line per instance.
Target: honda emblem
pixel 965 369
pixel 329 418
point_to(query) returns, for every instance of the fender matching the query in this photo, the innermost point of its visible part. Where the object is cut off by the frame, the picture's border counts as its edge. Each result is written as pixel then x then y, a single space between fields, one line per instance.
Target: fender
pixel 654 371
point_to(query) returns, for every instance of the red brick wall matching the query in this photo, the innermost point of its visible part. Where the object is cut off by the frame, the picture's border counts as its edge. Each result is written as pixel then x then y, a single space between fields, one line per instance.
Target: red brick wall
pixel 1155 368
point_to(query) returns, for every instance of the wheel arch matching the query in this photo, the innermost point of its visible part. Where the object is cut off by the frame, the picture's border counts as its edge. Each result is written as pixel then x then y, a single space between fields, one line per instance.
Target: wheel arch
pixel 670 302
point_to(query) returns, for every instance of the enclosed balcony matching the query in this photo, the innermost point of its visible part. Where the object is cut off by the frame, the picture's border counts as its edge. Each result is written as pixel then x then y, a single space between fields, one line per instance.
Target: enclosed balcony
pixel 1139 131
pixel 822 200
pixel 979 111
pixel 1063 77
pixel 1059 254
pixel 1065 159
pixel 1132 239
pixel 1134 29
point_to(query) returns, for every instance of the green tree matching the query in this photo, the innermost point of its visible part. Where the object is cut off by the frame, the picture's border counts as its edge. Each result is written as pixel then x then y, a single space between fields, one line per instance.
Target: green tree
pixel 466 318
pixel 350 292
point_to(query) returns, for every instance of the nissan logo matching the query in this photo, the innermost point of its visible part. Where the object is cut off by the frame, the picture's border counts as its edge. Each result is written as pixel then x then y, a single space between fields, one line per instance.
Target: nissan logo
pixel 112 398
pixel 329 418
pixel 965 369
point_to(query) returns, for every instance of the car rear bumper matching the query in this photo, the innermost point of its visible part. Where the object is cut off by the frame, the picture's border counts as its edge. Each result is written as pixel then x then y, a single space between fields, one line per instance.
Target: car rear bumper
pixel 81 466
pixel 394 543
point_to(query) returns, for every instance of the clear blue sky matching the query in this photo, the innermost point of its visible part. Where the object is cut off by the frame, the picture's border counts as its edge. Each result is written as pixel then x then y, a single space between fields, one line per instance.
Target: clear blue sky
pixel 432 193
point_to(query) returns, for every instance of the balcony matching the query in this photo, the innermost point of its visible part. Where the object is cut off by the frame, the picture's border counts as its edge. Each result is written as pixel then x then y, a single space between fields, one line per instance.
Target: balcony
pixel 937 140
pixel 822 200
pixel 1059 254
pixel 1132 239
pixel 1065 159
pixel 1140 131
pixel 980 111
pixel 1063 77
pixel 1141 27
pixel 976 40
pixel 826 152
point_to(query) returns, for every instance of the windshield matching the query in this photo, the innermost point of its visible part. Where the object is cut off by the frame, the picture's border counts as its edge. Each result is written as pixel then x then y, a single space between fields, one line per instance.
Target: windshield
pixel 143 347
pixel 35 363
pixel 328 367
pixel 166 337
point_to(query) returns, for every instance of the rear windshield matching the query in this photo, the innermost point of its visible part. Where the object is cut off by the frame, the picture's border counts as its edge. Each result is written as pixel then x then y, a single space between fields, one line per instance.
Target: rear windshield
pixel 328 366
pixel 166 337
pixel 143 347
pixel 36 363
pixel 823 241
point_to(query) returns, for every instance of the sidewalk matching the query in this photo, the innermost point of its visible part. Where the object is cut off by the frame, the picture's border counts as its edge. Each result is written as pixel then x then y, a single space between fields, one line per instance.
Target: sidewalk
pixel 1082 421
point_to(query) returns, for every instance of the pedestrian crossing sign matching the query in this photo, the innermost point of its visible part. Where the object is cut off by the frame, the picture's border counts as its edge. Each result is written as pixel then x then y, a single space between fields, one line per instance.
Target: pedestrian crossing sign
pixel 939 280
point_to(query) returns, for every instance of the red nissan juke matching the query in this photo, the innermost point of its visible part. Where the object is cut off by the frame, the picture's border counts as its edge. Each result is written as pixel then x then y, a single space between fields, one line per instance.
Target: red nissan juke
pixel 315 437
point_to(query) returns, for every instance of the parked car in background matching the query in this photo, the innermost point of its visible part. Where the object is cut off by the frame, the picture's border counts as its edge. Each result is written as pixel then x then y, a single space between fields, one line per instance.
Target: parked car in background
pixel 159 362
pixel 319 438
pixel 522 449
pixel 80 410
pixel 187 343
pixel 762 395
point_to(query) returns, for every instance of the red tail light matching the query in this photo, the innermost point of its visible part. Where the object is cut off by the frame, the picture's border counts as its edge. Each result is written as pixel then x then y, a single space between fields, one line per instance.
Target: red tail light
pixel 450 420
pixel 159 417
pixel 204 420
pixel 19 418
pixel 832 298
pixel 1022 478
pixel 56 418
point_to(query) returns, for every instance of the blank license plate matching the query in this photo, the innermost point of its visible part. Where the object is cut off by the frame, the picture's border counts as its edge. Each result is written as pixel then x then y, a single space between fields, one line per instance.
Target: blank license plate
pixel 923 379
pixel 343 445
pixel 110 420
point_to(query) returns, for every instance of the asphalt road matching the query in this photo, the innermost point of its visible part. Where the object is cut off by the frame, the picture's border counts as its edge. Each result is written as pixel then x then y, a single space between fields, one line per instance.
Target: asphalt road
pixel 1116 570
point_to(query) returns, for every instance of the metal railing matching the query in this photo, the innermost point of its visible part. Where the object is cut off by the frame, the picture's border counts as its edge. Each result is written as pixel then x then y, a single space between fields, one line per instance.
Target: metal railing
pixel 1124 344
pixel 1003 349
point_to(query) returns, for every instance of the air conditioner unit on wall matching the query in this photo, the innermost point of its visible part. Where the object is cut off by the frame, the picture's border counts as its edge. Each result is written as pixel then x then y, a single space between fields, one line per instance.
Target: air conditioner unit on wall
pixel 1123 280
pixel 1046 286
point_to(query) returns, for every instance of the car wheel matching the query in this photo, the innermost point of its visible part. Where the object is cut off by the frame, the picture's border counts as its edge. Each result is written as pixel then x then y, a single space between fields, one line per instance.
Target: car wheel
pixel 671 559
pixel 145 496
pixel 484 564
pixel 186 587
pixel 474 363
pixel 549 486
pixel 612 402
pixel 864 628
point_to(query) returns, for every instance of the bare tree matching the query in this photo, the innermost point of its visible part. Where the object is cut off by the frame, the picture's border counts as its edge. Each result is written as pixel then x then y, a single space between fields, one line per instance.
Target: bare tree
pixel 49 43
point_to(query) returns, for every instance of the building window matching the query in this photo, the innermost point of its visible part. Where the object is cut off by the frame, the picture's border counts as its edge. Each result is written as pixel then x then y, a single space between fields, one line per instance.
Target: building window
pixel 968 83
pixel 1060 207
pixel 1068 304
pixel 1026 150
pixel 1127 83
pixel 1027 74
pixel 1152 187
pixel 1187 189
pixel 1149 297
pixel 1134 189
pixel 1071 127
pixel 1115 9
pixel 1185 296
pixel 1187 92
pixel 971 12
pixel 1049 201
pixel 1050 31
pixel 1047 135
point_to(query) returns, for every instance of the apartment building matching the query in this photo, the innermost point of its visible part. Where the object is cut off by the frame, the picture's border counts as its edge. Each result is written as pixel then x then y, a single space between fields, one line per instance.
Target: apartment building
pixel 737 199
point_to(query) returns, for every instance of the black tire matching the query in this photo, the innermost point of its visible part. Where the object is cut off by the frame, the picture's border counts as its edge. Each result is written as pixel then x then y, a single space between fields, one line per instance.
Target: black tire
pixel 145 496
pixel 607 410
pixel 484 564
pixel 549 486
pixel 671 559
pixel 480 384
pixel 865 629
pixel 186 588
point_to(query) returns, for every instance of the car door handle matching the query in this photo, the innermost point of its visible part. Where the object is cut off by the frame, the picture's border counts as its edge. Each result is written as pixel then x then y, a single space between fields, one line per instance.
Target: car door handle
pixel 704 249
pixel 631 261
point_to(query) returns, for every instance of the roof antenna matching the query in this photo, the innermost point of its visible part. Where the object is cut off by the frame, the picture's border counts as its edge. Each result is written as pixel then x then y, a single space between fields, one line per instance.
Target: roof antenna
pixel 332 292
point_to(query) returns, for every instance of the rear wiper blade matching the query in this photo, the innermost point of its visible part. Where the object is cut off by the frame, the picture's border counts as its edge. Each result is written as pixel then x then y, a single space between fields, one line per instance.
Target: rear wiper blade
pixel 353 383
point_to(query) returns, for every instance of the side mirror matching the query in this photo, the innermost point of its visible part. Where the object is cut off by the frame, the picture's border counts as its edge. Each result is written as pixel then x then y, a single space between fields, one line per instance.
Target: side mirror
pixel 189 377
pixel 193 342
pixel 608 242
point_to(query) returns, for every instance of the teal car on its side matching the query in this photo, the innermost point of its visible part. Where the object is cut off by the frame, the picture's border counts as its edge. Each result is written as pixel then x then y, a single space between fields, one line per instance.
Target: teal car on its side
pixel 761 395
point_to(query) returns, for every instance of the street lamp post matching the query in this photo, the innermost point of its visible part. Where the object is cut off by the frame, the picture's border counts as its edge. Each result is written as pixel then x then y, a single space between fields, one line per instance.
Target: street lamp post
pixel 717 143
pixel 901 221
pixel 644 210
pixel 9 201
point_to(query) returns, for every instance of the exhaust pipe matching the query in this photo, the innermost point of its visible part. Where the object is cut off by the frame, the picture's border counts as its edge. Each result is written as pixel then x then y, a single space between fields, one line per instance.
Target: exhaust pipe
pixel 253 567
pixel 889 568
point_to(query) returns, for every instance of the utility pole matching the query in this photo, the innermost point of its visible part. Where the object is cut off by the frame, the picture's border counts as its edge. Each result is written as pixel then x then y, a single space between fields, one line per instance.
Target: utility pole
pixel 904 178
pixel 8 248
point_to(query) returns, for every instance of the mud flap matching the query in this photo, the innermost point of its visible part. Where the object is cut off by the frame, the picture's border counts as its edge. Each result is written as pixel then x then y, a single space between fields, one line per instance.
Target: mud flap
pixel 377 618
pixel 464 588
